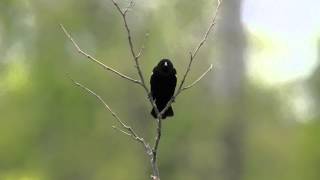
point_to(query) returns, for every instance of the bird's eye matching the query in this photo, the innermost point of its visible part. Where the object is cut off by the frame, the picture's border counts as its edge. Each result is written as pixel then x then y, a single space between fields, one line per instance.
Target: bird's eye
pixel 165 63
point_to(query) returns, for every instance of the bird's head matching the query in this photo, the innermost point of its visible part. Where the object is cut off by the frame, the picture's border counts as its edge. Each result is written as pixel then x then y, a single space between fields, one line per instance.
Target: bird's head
pixel 166 65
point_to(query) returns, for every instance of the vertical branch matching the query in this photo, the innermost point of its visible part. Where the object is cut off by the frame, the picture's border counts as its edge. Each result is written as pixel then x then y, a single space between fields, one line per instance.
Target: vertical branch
pixel 180 88
pixel 133 53
pixel 153 157
pixel 157 141
pixel 135 56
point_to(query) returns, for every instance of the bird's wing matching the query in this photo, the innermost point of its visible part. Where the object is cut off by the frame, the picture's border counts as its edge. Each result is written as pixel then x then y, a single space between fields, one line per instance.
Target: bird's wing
pixel 174 84
pixel 153 86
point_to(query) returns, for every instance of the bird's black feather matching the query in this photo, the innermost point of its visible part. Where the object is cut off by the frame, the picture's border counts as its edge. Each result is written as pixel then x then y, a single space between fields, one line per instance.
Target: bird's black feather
pixel 163 82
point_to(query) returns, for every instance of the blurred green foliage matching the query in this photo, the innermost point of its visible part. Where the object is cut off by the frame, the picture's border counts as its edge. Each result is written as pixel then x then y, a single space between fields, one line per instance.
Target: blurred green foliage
pixel 51 130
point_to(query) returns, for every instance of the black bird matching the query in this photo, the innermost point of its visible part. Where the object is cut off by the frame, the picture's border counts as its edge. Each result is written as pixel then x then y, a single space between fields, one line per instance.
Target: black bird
pixel 163 82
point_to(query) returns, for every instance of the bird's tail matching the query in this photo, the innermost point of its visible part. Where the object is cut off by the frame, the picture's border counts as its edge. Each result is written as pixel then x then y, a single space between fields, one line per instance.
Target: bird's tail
pixel 168 113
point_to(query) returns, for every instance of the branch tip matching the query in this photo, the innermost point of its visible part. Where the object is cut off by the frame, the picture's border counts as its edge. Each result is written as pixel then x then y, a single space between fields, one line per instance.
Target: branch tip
pixel 91 58
pixel 198 79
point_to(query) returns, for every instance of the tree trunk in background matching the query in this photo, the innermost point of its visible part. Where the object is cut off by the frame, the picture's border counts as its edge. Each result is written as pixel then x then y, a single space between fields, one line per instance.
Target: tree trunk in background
pixel 229 88
pixel 314 80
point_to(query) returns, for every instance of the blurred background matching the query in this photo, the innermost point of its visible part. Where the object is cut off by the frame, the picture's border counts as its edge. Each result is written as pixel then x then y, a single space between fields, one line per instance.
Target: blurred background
pixel 255 116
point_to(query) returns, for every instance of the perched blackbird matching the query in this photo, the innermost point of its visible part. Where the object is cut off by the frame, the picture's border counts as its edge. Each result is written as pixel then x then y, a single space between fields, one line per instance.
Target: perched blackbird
pixel 163 83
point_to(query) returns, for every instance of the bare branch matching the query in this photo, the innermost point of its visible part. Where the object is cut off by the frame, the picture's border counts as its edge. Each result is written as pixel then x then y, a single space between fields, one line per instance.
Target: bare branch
pixel 133 53
pixel 158 137
pixel 192 57
pixel 195 52
pixel 130 132
pixel 185 75
pixel 127 130
pixel 143 45
pixel 213 23
pixel 102 101
pixel 131 4
pixel 95 60
pixel 122 131
pixel 136 57
pixel 180 88
pixel 197 80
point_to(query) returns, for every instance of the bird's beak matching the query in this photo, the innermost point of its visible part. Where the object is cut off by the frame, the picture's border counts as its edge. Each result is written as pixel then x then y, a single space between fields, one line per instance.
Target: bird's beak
pixel 165 64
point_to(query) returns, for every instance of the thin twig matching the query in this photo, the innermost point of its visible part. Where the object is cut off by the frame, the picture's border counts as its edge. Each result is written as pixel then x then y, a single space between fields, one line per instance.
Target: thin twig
pixel 131 4
pixel 130 132
pixel 133 53
pixel 136 57
pixel 197 80
pixel 195 52
pixel 95 60
pixel 191 58
pixel 122 131
pixel 143 45
pixel 185 74
pixel 213 23
pixel 180 88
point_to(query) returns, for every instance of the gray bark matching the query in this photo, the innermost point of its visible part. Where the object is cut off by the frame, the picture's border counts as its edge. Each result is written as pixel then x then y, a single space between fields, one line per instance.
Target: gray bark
pixel 229 87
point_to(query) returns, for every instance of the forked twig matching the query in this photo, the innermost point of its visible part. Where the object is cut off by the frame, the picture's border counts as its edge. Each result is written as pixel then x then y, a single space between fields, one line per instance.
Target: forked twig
pixel 136 56
pixel 133 53
pixel 143 45
pixel 129 131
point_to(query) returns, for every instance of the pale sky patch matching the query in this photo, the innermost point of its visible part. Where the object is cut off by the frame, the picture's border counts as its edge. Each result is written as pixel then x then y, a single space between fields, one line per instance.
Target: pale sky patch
pixel 288 31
